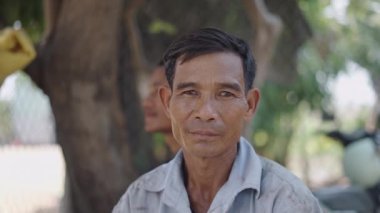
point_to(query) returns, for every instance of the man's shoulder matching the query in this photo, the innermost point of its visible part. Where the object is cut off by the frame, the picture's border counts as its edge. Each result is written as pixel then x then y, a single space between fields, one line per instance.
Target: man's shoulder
pixel 153 180
pixel 138 194
pixel 275 177
pixel 291 193
pixel 274 173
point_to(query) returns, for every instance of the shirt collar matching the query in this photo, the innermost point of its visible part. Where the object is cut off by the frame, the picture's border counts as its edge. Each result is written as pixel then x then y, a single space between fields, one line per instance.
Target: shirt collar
pixel 246 170
pixel 245 174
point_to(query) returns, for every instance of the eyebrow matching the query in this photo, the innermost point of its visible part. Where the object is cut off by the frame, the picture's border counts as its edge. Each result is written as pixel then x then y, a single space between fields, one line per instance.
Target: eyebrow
pixel 185 85
pixel 233 86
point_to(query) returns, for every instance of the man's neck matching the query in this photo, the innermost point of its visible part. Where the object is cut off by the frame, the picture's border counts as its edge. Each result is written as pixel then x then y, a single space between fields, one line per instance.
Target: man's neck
pixel 205 176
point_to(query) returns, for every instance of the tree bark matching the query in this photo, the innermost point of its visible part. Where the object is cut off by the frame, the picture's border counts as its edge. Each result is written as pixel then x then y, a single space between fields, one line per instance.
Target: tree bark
pixel 51 13
pixel 133 86
pixel 296 31
pixel 78 69
pixel 268 28
pixel 138 59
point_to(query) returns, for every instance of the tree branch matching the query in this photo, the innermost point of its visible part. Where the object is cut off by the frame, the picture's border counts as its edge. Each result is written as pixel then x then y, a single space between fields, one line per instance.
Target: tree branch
pixel 268 28
pixel 139 61
pixel 51 14
pixel 36 69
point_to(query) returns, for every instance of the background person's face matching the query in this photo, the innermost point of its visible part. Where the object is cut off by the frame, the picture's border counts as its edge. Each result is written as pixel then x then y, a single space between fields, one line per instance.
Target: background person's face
pixel 208 106
pixel 154 114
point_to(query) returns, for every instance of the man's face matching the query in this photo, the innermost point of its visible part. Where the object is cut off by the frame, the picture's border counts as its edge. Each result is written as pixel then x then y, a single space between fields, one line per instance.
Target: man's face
pixel 208 105
pixel 154 114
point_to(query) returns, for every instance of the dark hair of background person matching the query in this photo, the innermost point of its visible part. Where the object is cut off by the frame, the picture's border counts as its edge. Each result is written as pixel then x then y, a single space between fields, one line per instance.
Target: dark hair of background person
pixel 205 41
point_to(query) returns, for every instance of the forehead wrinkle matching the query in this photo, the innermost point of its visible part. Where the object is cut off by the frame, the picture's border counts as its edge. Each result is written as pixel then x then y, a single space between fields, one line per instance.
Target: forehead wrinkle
pixel 206 71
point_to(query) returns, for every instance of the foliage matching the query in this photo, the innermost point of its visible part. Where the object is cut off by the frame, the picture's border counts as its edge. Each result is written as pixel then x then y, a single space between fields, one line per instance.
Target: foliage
pixel 29 13
pixel 363 23
pixel 279 104
pixel 333 45
pixel 158 26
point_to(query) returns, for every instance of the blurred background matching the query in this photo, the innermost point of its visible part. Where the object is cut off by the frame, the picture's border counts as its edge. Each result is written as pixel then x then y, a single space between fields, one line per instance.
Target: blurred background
pixel 71 122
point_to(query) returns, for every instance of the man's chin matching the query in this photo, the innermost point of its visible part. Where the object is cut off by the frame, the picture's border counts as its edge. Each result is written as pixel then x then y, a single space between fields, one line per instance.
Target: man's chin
pixel 203 152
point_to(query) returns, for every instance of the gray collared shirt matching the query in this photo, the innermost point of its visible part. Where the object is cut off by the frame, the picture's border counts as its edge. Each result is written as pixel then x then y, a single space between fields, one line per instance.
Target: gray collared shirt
pixel 255 184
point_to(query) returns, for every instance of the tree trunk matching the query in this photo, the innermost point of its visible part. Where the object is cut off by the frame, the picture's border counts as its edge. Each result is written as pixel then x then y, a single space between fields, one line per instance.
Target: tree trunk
pixel 78 70
pixel 268 28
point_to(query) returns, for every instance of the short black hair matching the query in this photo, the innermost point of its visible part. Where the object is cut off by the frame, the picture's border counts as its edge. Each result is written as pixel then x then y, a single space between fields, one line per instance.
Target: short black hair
pixel 205 41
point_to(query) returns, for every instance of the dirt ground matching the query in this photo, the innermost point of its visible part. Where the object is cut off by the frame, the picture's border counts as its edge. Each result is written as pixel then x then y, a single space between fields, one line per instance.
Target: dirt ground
pixel 31 178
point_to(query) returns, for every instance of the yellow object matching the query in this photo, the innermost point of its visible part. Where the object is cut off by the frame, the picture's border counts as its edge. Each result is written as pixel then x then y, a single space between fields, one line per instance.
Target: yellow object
pixel 16 51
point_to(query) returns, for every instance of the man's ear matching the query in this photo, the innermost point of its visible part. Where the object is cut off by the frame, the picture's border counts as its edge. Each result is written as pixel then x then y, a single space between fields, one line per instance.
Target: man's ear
pixel 253 97
pixel 165 94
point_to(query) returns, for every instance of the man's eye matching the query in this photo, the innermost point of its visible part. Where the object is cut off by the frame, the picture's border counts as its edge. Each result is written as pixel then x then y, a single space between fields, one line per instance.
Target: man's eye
pixel 190 92
pixel 226 94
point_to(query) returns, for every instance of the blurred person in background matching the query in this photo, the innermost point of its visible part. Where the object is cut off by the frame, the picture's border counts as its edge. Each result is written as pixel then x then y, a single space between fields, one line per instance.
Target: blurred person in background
pixel 156 121
pixel 16 51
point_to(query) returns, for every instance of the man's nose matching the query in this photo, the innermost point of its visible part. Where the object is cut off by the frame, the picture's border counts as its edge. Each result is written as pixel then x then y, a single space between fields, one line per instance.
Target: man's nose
pixel 206 110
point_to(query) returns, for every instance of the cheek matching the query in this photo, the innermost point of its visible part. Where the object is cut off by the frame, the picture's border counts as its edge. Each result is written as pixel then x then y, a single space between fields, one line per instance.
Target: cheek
pixel 180 108
pixel 178 115
pixel 176 131
pixel 233 109
pixel 233 115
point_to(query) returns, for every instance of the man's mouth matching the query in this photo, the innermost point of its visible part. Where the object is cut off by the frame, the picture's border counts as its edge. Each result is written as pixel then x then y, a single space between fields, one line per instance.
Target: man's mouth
pixel 204 132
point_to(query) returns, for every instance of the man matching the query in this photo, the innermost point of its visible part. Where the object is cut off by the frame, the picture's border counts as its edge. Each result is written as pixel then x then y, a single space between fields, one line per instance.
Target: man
pixel 209 98
pixel 154 113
